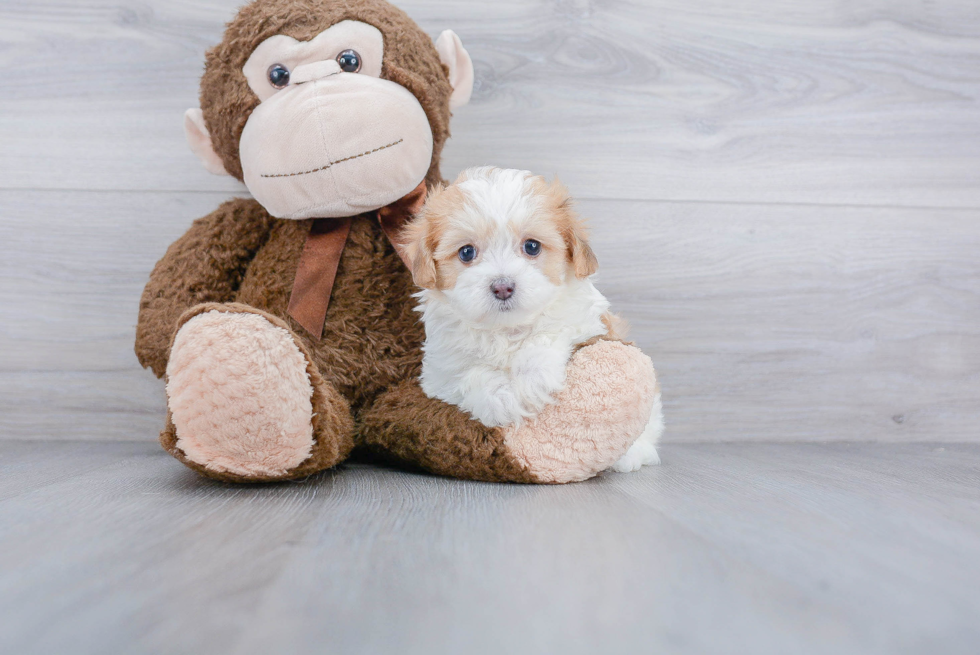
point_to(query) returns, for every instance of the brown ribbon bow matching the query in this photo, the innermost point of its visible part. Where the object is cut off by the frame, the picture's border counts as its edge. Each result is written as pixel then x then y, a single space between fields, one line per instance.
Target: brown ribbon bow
pixel 318 264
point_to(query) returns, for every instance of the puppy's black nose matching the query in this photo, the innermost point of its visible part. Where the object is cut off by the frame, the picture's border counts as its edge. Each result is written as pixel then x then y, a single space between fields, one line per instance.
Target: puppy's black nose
pixel 503 288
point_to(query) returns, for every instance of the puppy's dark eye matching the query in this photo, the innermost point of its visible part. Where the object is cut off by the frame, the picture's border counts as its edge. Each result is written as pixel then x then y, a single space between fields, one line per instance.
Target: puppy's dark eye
pixel 278 76
pixel 467 254
pixel 350 61
pixel 532 248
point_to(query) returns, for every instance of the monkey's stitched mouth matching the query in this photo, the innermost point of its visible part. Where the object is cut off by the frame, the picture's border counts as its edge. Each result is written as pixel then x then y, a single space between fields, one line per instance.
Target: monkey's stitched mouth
pixel 339 161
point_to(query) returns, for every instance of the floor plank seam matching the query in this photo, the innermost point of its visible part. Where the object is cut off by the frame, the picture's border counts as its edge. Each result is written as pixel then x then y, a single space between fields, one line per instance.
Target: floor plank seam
pixel 578 197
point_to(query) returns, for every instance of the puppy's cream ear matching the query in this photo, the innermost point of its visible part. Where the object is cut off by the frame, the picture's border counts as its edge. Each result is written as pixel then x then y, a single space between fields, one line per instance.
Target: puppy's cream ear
pixel 416 240
pixel 457 60
pixel 424 267
pixel 583 259
pixel 573 231
pixel 199 140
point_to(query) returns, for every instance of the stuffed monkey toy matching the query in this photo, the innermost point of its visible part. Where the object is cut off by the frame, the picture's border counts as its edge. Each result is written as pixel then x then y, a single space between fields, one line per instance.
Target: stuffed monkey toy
pixel 284 324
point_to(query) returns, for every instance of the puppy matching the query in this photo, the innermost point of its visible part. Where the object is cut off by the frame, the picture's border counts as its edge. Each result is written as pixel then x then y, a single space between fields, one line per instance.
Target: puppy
pixel 505 270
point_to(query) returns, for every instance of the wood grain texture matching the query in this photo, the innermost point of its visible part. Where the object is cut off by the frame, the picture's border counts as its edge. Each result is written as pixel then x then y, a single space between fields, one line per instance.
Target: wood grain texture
pixel 72 268
pixel 773 548
pixel 865 102
pixel 814 320
pixel 785 199
pixel 801 322
pixel 765 322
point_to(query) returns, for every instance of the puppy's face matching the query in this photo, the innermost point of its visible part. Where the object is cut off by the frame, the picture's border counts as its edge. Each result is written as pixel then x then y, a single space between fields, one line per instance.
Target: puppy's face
pixel 498 245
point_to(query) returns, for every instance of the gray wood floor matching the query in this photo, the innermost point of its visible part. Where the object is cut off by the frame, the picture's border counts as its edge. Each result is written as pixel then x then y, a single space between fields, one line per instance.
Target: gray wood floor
pixel 785 200
pixel 725 548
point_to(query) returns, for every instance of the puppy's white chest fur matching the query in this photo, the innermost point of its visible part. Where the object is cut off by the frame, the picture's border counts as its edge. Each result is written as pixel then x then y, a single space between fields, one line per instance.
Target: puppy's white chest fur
pixel 503 374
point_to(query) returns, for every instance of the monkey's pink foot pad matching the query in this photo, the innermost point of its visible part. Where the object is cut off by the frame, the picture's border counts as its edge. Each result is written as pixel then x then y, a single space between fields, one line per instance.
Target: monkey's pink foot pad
pixel 609 394
pixel 240 395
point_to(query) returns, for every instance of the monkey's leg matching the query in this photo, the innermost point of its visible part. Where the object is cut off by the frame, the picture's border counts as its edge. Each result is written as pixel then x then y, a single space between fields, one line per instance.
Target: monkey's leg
pixel 246 403
pixel 607 402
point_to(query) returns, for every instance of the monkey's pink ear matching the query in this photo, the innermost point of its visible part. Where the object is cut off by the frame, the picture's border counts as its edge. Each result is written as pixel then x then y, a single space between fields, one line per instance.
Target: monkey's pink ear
pixel 454 56
pixel 199 140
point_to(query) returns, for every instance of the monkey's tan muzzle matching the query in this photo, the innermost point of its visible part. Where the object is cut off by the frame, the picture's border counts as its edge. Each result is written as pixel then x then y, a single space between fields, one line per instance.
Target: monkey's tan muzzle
pixel 334 144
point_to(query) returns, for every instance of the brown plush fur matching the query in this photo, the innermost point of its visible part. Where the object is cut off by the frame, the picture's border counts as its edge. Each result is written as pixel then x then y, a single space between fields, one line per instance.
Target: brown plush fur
pixel 474 452
pixel 410 59
pixel 241 259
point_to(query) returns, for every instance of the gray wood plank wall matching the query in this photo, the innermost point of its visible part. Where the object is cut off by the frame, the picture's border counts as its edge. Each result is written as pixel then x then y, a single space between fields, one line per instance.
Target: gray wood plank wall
pixel 785 197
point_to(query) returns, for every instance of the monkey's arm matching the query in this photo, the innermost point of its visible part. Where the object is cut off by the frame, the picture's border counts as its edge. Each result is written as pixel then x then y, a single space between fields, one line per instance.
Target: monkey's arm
pixel 608 400
pixel 408 426
pixel 207 264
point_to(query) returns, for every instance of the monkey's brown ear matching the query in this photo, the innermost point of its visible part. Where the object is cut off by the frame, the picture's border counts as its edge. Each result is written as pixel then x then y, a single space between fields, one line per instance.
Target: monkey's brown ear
pixel 457 60
pixel 199 140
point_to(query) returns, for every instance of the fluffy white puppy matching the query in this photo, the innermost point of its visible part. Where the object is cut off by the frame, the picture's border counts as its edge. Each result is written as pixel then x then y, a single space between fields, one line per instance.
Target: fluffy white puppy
pixel 505 267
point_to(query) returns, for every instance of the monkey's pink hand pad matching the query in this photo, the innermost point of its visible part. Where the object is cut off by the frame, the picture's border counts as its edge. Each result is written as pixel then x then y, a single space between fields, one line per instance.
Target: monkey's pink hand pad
pixel 609 394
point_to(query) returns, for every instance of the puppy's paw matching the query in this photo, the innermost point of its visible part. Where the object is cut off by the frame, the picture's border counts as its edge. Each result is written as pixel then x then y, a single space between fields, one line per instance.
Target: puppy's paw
pixel 537 374
pixel 643 452
pixel 499 407
pixel 490 399
pixel 640 454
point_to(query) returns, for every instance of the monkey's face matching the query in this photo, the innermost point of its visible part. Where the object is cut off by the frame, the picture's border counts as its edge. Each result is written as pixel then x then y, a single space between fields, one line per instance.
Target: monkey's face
pixel 325 134
pixel 330 137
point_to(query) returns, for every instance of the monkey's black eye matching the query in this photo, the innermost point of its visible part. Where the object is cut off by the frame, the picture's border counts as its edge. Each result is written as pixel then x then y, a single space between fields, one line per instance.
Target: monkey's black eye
pixel 532 248
pixel 278 76
pixel 467 254
pixel 350 61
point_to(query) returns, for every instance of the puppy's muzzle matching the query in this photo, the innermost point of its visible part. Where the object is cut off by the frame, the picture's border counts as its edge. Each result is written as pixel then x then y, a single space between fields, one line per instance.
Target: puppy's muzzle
pixel 503 288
